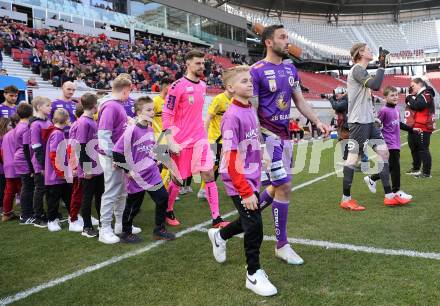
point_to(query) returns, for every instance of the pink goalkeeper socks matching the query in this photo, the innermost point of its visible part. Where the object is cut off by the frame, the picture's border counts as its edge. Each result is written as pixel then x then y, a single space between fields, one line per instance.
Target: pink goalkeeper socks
pixel 212 196
pixel 173 192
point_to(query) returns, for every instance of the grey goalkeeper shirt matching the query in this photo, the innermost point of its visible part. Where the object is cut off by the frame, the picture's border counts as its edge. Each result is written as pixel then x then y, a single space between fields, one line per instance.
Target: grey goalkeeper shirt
pixel 360 105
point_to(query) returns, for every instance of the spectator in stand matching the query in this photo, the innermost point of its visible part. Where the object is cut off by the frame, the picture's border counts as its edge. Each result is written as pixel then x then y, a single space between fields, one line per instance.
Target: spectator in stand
pixel 155 87
pixel 35 61
pixel 145 87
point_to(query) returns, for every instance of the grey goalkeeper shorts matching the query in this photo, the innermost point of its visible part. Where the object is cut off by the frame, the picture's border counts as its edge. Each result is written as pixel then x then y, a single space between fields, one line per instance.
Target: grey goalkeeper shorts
pixel 363 134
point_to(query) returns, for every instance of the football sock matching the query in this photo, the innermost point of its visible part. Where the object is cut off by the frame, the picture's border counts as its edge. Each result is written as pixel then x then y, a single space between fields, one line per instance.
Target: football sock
pixel 280 210
pixel 212 197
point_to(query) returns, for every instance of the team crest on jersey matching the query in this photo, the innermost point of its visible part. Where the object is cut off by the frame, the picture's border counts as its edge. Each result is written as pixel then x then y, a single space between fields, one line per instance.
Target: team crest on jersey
pixel 273 85
pixel 191 100
pixel 281 104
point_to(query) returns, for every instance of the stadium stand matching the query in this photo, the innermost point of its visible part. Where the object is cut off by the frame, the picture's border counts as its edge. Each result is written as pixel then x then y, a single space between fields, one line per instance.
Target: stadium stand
pixel 95 61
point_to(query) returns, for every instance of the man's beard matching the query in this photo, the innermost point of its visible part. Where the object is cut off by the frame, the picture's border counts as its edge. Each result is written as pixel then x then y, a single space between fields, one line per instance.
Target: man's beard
pixel 279 52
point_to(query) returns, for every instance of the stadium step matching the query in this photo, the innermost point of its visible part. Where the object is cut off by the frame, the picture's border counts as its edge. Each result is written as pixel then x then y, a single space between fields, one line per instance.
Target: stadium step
pixel 17 70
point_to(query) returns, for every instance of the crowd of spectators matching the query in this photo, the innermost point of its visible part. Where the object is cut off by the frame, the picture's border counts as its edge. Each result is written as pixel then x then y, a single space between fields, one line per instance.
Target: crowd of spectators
pixel 93 62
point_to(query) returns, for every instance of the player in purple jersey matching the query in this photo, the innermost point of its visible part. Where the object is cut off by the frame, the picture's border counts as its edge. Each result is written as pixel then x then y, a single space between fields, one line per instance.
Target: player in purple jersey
pixel 22 163
pixel 8 108
pixel 240 170
pixel 111 125
pixel 66 101
pixel 276 83
pixel 38 124
pixel 389 115
pixel 55 168
pixel 89 171
pixel 134 153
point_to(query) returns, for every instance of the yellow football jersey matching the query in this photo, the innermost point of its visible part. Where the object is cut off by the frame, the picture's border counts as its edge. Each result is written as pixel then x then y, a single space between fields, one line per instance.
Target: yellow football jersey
pixel 158 103
pixel 217 108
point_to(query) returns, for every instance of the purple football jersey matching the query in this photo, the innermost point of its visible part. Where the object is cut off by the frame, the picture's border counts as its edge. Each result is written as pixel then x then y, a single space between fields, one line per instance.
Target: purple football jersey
pixel 22 137
pixel 86 133
pixel 8 150
pixel 50 177
pixel 1 163
pixel 6 111
pixel 69 106
pixel 129 108
pixel 274 86
pixel 390 117
pixel 240 132
pixel 137 144
pixel 112 117
pixel 37 126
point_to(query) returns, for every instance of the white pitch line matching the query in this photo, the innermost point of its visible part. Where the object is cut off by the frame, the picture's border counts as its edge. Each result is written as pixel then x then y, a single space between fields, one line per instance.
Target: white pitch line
pixel 23 294
pixel 349 247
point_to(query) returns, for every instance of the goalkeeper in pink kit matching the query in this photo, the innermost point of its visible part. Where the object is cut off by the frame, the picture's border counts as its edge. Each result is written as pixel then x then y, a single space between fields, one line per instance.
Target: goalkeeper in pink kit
pixel 187 139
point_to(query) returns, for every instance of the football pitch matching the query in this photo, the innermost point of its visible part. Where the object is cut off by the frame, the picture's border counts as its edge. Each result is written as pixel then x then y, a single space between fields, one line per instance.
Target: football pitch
pixel 382 256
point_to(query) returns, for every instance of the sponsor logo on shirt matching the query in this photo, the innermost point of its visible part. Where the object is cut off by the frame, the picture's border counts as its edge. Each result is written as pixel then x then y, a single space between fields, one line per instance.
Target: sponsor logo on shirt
pixel 251 134
pixel 273 85
pixel 190 89
pixel 171 102
pixel 269 72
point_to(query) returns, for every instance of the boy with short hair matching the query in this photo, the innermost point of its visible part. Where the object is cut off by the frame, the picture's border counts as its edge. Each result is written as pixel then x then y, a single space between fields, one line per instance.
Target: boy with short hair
pixel 23 164
pixel 111 125
pixel 89 171
pixel 54 169
pixel 240 170
pixel 75 220
pixel 389 115
pixel 37 125
pixel 13 182
pixel 134 152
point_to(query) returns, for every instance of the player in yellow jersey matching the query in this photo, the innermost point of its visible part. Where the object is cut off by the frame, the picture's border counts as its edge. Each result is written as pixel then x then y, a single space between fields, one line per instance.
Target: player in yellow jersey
pixel 216 109
pixel 158 102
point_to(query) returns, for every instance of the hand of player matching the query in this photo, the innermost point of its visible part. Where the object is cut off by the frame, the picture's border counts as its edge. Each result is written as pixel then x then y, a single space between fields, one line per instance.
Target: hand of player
pixel 87 176
pixel 324 128
pixel 417 130
pixel 251 203
pixel 378 123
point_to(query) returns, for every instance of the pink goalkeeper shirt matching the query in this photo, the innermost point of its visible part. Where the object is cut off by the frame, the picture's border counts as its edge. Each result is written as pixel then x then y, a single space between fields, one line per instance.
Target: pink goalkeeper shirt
pixel 182 111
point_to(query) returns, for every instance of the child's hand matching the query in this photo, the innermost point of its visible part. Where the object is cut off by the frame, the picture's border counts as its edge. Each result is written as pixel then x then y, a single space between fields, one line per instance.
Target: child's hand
pixel 417 130
pixel 251 203
pixel 174 148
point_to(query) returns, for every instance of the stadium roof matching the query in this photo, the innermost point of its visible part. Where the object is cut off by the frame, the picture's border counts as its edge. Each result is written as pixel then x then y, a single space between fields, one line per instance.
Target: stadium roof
pixel 339 7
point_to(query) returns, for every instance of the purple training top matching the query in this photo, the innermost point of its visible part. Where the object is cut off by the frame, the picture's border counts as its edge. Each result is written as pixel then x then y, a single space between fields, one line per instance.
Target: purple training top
pixel 86 133
pixel 37 126
pixel 50 176
pixel 112 118
pixel 1 163
pixel 22 137
pixel 6 111
pixel 69 106
pixel 240 132
pixel 8 150
pixel 390 117
pixel 137 144
pixel 274 86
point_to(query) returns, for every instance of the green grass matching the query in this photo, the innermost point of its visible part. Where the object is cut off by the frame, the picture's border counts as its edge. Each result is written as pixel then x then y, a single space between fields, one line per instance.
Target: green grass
pixel 183 272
